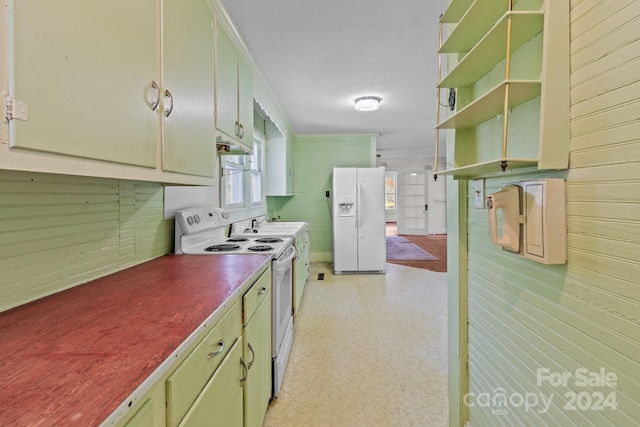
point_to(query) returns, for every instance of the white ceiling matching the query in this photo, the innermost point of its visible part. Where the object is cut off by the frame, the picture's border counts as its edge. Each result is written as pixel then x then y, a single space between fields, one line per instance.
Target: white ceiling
pixel 318 56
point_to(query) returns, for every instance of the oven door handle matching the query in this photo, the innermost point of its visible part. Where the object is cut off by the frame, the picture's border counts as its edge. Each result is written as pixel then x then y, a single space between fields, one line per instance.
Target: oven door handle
pixel 286 257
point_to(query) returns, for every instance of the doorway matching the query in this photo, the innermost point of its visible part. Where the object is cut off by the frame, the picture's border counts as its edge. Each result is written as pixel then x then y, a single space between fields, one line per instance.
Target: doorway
pixel 412 202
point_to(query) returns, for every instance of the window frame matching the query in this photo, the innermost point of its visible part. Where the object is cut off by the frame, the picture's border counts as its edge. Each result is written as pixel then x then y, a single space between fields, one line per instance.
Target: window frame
pixel 232 166
pixel 249 168
pixel 394 176
pixel 256 168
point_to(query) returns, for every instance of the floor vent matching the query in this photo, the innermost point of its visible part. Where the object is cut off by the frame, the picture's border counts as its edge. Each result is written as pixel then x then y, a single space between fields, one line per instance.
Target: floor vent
pixel 320 276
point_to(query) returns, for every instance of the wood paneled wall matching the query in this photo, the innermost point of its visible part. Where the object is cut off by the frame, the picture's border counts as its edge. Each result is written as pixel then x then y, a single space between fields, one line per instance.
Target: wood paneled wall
pixel 59 231
pixel 525 316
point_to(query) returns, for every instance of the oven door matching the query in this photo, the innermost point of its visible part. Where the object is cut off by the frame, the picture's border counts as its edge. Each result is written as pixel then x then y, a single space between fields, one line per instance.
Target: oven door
pixel 282 296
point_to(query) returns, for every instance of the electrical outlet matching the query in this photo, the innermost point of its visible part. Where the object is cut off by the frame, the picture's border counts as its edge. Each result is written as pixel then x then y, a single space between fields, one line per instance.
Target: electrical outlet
pixel 478 193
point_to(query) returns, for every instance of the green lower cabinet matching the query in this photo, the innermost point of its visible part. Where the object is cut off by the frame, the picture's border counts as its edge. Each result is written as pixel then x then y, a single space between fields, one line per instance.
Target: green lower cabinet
pixel 301 271
pixel 144 416
pixel 188 380
pixel 257 353
pixel 221 401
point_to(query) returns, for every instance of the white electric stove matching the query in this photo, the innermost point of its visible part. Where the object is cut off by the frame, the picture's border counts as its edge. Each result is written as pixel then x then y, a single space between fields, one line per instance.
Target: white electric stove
pixel 204 231
pixel 299 231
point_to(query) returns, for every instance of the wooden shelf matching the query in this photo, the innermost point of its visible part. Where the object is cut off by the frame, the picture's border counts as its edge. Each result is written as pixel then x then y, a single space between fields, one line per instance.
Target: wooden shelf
pixel 455 11
pixel 489 167
pixel 492 48
pixel 480 17
pixel 527 47
pixel 491 104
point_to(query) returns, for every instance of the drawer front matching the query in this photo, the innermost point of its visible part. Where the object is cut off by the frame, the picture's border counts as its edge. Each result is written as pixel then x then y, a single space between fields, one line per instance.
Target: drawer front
pixel 256 294
pixel 186 382
pixel 221 400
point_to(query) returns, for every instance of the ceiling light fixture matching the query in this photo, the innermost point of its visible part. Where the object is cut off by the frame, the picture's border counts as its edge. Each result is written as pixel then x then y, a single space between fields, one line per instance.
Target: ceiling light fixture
pixel 367 103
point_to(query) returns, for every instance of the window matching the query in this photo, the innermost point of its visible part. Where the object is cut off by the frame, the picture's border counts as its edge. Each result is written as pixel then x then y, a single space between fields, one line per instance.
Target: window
pixel 242 177
pixel 233 181
pixel 390 191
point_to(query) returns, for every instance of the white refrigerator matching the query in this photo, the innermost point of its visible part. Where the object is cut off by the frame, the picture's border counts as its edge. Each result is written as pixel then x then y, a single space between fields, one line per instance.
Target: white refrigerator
pixel 359 241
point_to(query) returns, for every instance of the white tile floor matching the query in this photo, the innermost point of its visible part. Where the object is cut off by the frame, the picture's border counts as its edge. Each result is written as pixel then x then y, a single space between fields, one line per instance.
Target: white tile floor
pixel 369 350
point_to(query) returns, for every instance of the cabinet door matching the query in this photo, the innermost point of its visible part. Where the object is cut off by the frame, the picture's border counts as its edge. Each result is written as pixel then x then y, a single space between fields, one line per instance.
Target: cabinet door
pixel 187 380
pixel 221 400
pixel 257 351
pixel 188 47
pixel 144 416
pixel 245 103
pixel 301 269
pixel 290 171
pixel 226 74
pixel 86 75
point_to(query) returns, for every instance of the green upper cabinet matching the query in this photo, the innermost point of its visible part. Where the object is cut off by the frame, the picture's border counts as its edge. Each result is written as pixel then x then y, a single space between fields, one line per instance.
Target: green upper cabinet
pixel 86 76
pixel 245 103
pixel 90 77
pixel 188 107
pixel 234 92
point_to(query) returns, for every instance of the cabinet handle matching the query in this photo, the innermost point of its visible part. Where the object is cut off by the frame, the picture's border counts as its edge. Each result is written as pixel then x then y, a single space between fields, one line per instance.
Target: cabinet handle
pixel 218 351
pixel 262 291
pixel 241 131
pixel 253 355
pixel 168 110
pixel 156 99
pixel 246 370
pixel 237 129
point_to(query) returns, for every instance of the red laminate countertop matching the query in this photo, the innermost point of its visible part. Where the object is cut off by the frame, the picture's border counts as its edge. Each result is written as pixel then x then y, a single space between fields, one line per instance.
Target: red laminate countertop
pixel 72 358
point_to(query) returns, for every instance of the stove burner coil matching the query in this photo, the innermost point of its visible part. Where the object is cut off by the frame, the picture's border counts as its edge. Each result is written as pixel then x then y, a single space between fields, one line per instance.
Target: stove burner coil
pixel 237 239
pixel 222 248
pixel 260 248
pixel 269 240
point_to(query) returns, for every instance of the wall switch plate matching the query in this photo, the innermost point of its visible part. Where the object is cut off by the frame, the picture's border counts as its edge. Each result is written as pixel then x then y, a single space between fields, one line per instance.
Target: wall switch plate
pixel 477 187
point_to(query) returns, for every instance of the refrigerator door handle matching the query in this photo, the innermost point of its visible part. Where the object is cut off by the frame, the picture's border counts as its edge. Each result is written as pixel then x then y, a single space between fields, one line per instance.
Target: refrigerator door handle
pixel 358 188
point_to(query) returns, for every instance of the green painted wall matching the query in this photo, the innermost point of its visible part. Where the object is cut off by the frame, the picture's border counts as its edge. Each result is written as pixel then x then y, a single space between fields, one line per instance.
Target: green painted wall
pixel 582 317
pixel 315 157
pixel 59 231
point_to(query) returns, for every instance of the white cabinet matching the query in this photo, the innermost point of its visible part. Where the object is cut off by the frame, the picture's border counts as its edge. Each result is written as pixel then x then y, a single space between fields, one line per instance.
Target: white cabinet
pixel 90 78
pixel 234 92
pixel 279 161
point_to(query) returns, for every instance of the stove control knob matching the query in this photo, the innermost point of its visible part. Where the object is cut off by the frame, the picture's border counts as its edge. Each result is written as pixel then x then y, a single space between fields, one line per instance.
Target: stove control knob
pixel 190 220
pixel 197 218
